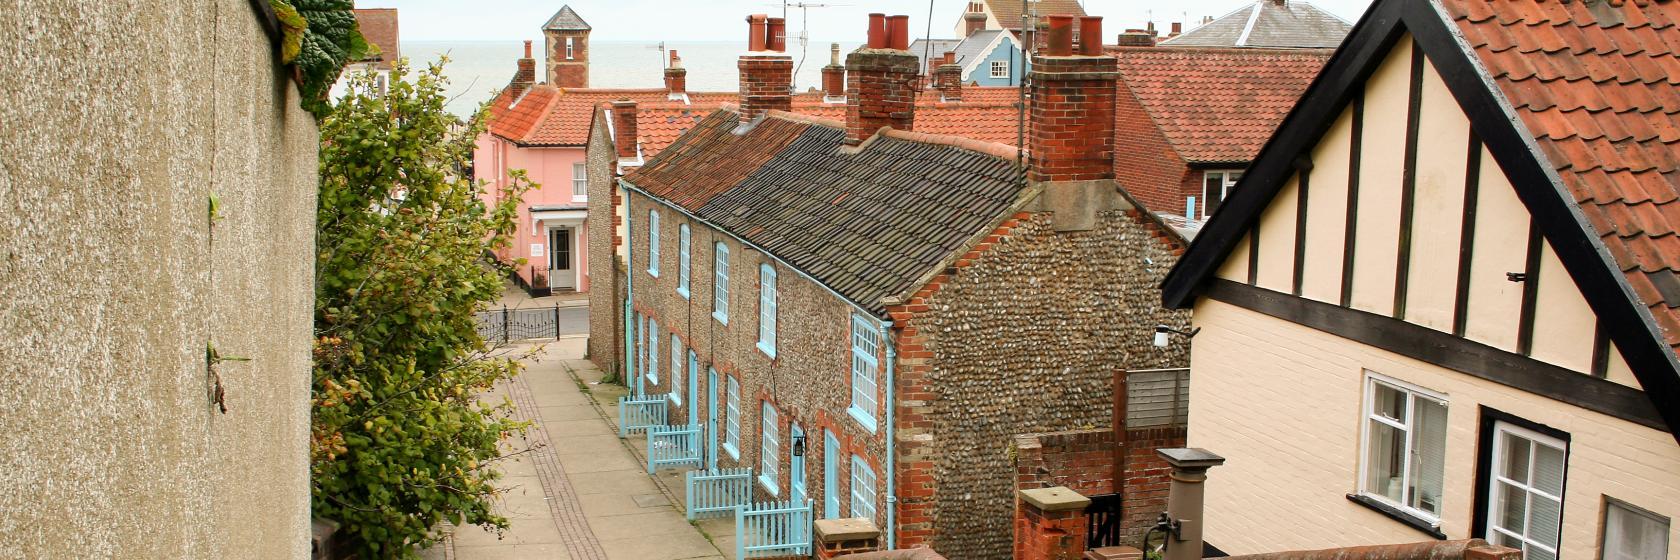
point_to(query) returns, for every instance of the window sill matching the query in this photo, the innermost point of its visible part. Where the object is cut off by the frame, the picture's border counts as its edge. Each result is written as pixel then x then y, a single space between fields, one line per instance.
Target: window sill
pixel 674 398
pixel 652 378
pixel 864 418
pixel 1408 519
pixel 769 485
pixel 653 272
pixel 682 292
pixel 732 451
pixel 721 318
pixel 767 349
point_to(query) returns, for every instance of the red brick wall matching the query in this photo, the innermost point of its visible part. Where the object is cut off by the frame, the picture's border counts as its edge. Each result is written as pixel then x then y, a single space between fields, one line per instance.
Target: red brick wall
pixel 1144 163
pixel 1080 460
pixel 1049 535
pixel 1146 478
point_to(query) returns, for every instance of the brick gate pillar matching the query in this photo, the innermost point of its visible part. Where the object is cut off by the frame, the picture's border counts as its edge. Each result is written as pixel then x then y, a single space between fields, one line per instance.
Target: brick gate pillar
pixel 1050 524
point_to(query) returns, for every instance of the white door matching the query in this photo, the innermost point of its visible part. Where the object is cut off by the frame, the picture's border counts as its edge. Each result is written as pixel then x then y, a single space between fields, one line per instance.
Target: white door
pixel 561 272
pixel 1526 496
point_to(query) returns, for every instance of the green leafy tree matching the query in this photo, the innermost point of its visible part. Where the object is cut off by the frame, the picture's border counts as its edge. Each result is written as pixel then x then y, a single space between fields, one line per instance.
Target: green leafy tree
pixel 319 37
pixel 401 439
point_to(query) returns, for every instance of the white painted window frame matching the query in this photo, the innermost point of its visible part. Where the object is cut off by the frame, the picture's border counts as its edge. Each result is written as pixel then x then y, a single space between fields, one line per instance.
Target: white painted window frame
pixel 1494 514
pixel 653 351
pixel 732 417
pixel 676 395
pixel 1412 392
pixel 999 69
pixel 580 180
pixel 1665 525
pixel 1226 183
pixel 570 53
pixel 684 268
pixel 720 282
pixel 769 449
pixel 863 489
pixel 767 298
pixel 653 243
pixel 866 345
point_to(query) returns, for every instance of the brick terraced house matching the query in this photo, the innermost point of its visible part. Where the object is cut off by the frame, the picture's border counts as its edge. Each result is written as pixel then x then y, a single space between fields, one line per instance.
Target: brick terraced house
pixel 865 313
pixel 1443 302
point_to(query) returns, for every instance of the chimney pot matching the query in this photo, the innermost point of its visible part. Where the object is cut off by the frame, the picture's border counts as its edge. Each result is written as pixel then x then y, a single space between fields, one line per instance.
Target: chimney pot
pixel 1090 35
pixel 756 32
pixel 527 49
pixel 777 34
pixel 899 36
pixel 1177 28
pixel 877 31
pixel 1060 36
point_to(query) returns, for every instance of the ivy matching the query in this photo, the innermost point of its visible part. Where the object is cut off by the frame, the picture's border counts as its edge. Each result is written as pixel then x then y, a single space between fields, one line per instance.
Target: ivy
pixel 318 38
pixel 401 438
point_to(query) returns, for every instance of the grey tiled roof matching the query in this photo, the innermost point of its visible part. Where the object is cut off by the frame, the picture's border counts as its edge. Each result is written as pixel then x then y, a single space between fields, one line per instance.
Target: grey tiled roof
pixel 975 45
pixel 868 224
pixel 566 20
pixel 919 47
pixel 1288 24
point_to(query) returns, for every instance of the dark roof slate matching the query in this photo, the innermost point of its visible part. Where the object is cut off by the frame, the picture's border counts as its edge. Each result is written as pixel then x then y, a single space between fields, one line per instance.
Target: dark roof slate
pixel 1293 24
pixel 920 48
pixel 566 20
pixel 867 224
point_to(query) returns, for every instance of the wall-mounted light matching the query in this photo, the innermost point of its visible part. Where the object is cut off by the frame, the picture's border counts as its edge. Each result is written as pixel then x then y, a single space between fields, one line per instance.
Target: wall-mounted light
pixel 1161 332
pixel 799 445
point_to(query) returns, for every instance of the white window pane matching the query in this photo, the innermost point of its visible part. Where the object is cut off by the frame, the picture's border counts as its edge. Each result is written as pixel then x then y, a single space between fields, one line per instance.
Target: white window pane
pixel 1633 535
pixel 1548 469
pixel 1512 507
pixel 1385 461
pixel 1390 403
pixel 1543 517
pixel 1429 444
pixel 1515 466
pixel 1533 552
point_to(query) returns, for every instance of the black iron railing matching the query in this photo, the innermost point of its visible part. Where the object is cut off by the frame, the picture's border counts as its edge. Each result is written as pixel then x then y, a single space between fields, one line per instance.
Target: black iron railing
pixel 502 326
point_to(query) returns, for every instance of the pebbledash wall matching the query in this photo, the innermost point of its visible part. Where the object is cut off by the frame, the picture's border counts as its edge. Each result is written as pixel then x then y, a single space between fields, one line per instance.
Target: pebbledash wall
pixel 808 382
pixel 1023 334
pixel 111 285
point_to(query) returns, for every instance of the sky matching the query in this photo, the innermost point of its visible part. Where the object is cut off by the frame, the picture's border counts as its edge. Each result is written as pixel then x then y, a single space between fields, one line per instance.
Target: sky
pixel 724 20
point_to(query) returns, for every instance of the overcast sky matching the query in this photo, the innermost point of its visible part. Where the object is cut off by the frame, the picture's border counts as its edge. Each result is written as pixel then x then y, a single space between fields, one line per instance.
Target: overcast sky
pixel 723 20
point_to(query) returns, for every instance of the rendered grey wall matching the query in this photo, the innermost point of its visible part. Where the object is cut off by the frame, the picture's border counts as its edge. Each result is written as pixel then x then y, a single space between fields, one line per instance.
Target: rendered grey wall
pixel 120 119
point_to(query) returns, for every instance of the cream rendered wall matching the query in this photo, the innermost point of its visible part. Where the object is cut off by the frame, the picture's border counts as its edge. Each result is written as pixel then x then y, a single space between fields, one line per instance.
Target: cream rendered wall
pixel 1564 326
pixel 1381 163
pixel 1501 236
pixel 1321 275
pixel 1437 205
pixel 1277 240
pixel 1282 403
pixel 1235 267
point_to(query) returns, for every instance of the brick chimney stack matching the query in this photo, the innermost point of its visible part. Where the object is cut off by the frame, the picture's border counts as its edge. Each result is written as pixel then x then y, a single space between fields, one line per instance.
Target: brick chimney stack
pixel 881 89
pixel 624 127
pixel 676 77
pixel 1073 96
pixel 526 76
pixel 948 78
pixel 834 77
pixel 1177 29
pixel 974 20
pixel 766 71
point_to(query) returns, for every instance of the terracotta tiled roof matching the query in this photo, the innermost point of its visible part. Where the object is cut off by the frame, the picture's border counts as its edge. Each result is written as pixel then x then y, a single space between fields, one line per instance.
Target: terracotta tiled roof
pixel 1271 25
pixel 867 224
pixel 1008 12
pixel 1217 105
pixel 514 118
pixel 551 116
pixel 1598 86
pixel 379 26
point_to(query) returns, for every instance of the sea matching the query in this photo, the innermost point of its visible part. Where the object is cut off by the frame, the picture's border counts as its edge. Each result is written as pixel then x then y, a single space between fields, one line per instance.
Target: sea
pixel 478 69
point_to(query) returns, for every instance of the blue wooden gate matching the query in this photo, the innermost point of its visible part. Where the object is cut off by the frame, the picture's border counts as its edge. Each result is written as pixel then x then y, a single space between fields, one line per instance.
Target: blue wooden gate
pixel 773 529
pixel 715 493
pixel 670 446
pixel 640 413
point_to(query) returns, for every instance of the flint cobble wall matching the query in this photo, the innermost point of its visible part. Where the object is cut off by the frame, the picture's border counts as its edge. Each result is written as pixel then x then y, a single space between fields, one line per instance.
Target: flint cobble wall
pixel 606 281
pixel 809 380
pixel 1022 335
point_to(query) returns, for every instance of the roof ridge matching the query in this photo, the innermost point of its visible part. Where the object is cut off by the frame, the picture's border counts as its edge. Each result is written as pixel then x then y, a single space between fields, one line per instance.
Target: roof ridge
pixel 993 149
pixel 803 118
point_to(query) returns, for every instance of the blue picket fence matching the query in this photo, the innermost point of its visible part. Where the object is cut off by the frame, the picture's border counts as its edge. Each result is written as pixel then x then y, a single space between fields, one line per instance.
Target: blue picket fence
pixel 773 529
pixel 715 493
pixel 640 413
pixel 670 446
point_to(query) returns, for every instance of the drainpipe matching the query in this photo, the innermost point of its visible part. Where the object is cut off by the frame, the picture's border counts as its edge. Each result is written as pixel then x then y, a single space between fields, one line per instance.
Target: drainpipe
pixel 892 475
pixel 629 296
